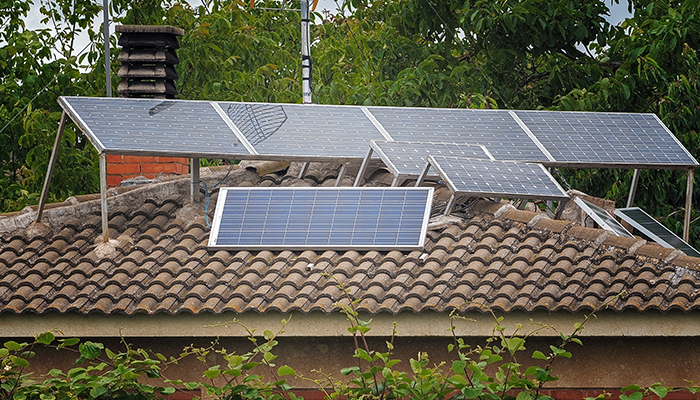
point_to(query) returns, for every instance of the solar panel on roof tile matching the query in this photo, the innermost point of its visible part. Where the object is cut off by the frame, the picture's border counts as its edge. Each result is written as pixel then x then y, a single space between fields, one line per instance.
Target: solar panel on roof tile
pixel 653 229
pixel 321 218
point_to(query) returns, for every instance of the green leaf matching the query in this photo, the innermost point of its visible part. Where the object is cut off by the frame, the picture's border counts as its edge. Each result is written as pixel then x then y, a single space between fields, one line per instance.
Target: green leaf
pixel 349 370
pixel 523 396
pixel 90 350
pixel 97 391
pixel 660 391
pixel 285 370
pixel 46 338
pixel 633 396
pixel 515 344
pixel 12 345
pixel 168 390
pixel 268 335
pixel 538 355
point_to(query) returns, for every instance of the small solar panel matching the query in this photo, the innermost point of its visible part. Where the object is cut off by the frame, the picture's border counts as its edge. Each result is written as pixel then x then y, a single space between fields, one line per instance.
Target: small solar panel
pixel 602 218
pixel 610 139
pixel 654 230
pixel 407 159
pixel 495 129
pixel 507 179
pixel 321 218
pixel 304 130
pixel 154 126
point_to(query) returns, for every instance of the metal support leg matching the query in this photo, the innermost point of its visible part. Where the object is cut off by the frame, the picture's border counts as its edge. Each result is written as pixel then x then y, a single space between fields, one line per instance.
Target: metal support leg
pixel 423 174
pixel 103 197
pixel 550 203
pixel 363 168
pixel 395 182
pixel 52 165
pixel 633 188
pixel 194 180
pixel 688 204
pixel 450 205
pixel 304 168
pixel 341 174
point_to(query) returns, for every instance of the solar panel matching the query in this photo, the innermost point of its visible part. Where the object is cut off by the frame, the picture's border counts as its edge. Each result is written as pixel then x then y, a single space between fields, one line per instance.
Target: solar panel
pixel 654 230
pixel 304 130
pixel 407 159
pixel 610 139
pixel 495 129
pixel 321 218
pixel 507 179
pixel 602 218
pixel 154 126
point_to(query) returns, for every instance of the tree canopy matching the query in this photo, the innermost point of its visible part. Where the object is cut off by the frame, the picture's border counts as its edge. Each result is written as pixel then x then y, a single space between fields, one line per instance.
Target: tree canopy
pixel 514 54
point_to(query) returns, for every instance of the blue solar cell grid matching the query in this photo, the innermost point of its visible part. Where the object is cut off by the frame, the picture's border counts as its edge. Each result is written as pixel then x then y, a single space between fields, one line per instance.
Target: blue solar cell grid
pixel 304 130
pixel 495 129
pixel 606 138
pixel 653 229
pixel 506 179
pixel 154 126
pixel 321 218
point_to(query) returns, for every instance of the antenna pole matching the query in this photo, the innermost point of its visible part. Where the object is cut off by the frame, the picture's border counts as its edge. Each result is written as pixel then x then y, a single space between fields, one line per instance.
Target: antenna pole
pixel 108 69
pixel 305 53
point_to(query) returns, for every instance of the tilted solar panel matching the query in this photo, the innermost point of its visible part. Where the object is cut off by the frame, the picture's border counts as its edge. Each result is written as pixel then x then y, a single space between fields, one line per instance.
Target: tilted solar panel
pixel 610 139
pixel 495 129
pixel 304 130
pixel 602 218
pixel 407 159
pixel 653 229
pixel 154 126
pixel 321 218
pixel 506 179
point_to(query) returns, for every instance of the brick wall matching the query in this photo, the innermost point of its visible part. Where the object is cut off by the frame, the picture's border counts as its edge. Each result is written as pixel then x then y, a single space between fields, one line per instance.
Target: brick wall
pixel 120 168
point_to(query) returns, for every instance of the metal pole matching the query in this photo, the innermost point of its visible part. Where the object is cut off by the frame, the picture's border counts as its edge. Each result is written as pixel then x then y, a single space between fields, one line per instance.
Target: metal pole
pixel 633 188
pixel 52 164
pixel 194 180
pixel 363 168
pixel 108 64
pixel 688 204
pixel 305 53
pixel 103 196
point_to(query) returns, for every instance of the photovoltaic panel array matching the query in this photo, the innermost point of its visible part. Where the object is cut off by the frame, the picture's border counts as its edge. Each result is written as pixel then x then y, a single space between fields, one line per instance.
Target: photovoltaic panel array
pixel 407 159
pixel 495 129
pixel 504 179
pixel 602 218
pixel 611 139
pixel 304 130
pixel 154 126
pixel 321 218
pixel 654 230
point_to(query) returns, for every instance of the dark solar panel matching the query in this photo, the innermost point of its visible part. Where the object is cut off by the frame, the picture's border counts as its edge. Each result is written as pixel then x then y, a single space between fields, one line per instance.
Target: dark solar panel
pixel 602 218
pixel 407 159
pixel 495 129
pixel 154 126
pixel 321 218
pixel 304 130
pixel 654 230
pixel 608 139
pixel 507 179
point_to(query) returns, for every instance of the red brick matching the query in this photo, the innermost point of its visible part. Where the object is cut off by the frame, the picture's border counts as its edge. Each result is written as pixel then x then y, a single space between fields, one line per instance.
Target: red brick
pixel 140 159
pixel 113 180
pixel 180 160
pixel 119 169
pixel 567 394
pixel 114 158
pixel 166 168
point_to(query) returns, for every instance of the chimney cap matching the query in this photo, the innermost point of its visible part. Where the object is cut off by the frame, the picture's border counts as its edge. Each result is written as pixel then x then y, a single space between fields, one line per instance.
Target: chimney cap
pixel 150 29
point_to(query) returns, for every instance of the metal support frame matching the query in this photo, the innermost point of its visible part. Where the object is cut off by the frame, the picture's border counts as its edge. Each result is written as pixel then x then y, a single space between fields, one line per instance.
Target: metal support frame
pixel 688 204
pixel 304 168
pixel 633 188
pixel 423 174
pixel 341 174
pixel 395 182
pixel 450 205
pixel 52 165
pixel 305 53
pixel 363 168
pixel 103 197
pixel 194 180
pixel 550 203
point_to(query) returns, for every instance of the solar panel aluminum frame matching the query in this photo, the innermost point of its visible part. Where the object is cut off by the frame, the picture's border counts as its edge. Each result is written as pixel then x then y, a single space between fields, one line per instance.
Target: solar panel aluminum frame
pixel 432 162
pixel 398 173
pixel 685 247
pixel 610 224
pixel 218 213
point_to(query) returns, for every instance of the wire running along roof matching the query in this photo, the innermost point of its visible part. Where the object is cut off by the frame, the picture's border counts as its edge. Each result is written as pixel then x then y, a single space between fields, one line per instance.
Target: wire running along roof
pixel 330 132
pixel 505 179
pixel 653 229
pixel 321 218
